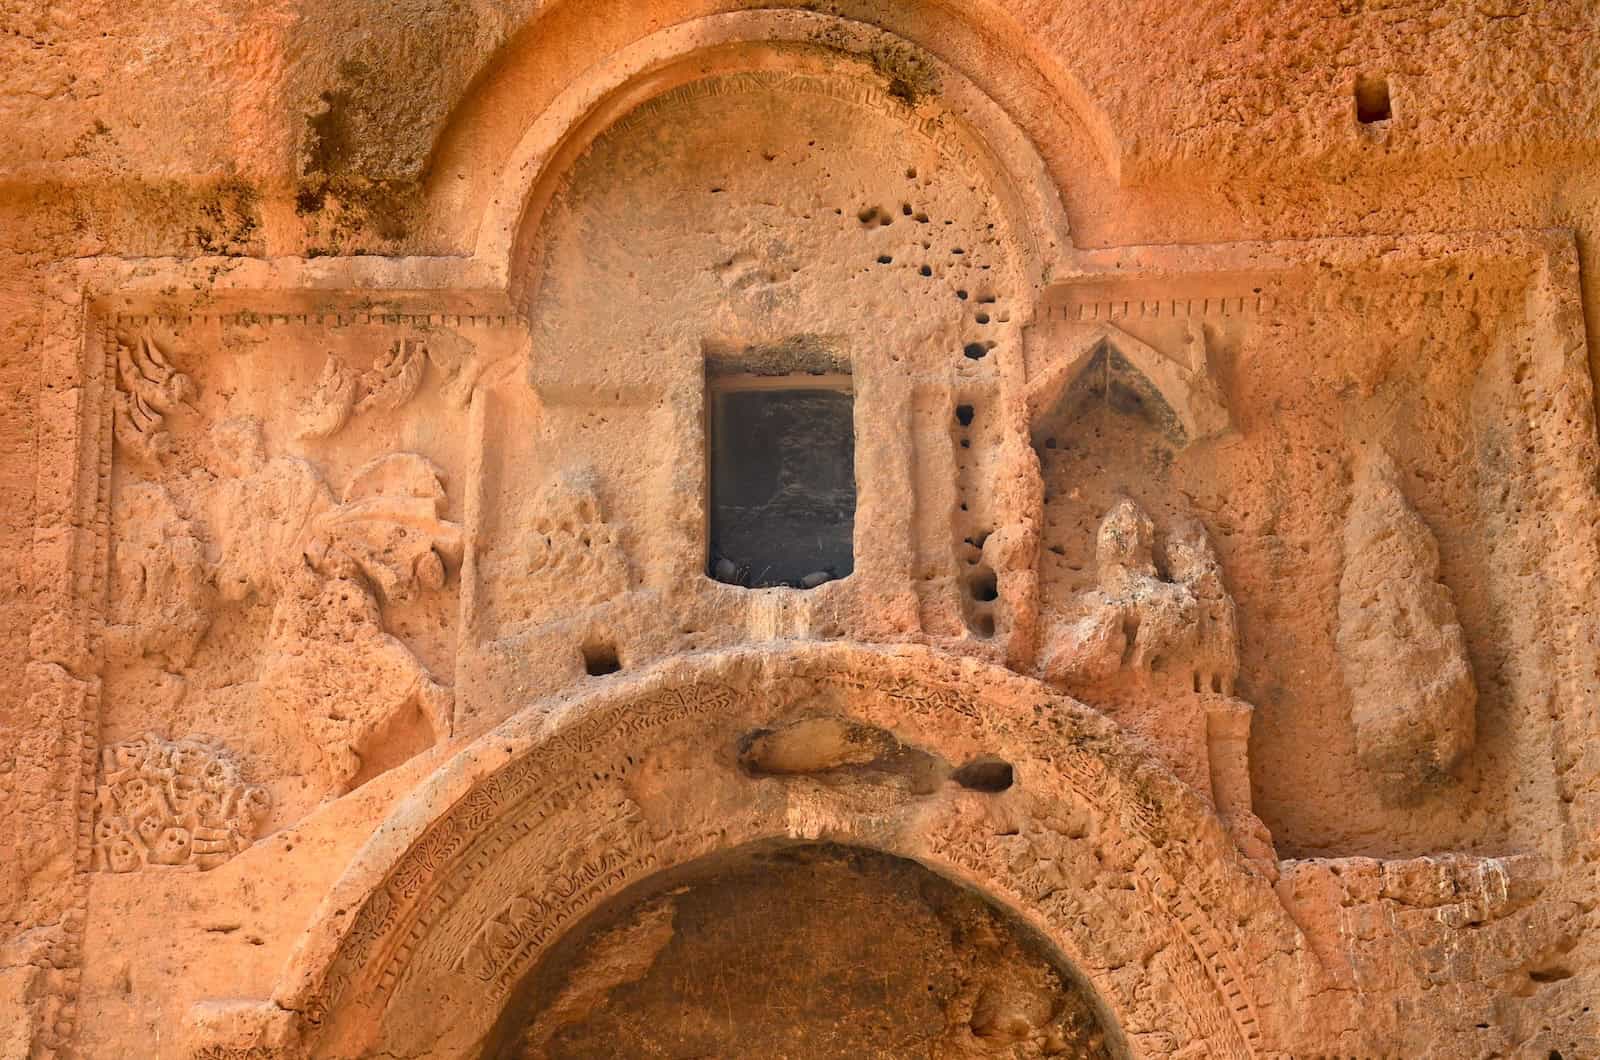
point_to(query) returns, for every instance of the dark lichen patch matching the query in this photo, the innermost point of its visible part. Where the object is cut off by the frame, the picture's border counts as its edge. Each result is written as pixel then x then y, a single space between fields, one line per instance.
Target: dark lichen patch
pixel 230 219
pixel 344 196
pixel 329 134
pixel 908 75
pixel 354 215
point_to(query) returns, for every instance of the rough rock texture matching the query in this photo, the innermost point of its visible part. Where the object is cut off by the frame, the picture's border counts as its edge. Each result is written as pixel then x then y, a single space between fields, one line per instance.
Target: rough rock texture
pixel 1171 633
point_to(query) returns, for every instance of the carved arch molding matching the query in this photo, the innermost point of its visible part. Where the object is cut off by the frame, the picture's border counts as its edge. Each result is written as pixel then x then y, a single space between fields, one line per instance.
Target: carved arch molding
pixel 451 903
pixel 540 822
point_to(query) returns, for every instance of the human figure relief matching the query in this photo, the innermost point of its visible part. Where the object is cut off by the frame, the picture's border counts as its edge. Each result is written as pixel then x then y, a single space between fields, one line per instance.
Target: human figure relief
pixel 325 564
pixel 161 596
pixel 1140 620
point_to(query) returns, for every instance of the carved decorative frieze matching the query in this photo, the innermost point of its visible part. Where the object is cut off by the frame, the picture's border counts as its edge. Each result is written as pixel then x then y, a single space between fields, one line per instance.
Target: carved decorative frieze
pixel 534 919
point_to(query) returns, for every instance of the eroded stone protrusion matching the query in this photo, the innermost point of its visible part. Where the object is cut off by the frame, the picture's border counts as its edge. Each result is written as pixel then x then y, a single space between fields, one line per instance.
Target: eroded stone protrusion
pixel 1401 649
pixel 1144 619
pixel 814 745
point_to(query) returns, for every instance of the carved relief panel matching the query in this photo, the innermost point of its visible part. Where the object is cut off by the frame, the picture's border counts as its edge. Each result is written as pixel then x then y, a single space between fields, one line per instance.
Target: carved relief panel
pixel 1331 430
pixel 287 546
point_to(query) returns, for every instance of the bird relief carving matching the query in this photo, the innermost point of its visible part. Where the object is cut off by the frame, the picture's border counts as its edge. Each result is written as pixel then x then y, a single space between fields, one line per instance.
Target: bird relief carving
pixel 340 394
pixel 149 389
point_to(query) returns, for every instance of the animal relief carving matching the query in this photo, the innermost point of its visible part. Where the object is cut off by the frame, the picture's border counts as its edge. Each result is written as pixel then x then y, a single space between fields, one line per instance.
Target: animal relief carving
pixel 173 804
pixel 325 565
pixel 390 526
pixel 1402 651
pixel 330 664
pixel 1144 619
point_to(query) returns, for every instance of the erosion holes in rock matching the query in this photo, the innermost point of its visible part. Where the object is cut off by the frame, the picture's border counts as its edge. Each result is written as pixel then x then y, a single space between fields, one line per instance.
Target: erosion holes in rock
pixel 874 217
pixel 815 950
pixel 987 774
pixel 600 658
pixel 983 585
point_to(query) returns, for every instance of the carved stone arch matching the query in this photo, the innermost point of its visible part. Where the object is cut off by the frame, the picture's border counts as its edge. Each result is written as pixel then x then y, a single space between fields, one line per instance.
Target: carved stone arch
pixel 528 167
pixel 510 845
pixel 1192 404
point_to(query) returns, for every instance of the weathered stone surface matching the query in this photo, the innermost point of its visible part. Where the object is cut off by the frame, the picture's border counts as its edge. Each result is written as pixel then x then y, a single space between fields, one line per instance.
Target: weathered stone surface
pixel 1162 625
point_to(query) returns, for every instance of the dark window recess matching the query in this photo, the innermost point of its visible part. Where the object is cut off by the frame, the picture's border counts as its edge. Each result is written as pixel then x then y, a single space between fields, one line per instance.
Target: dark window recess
pixel 1372 100
pixel 600 658
pixel 783 484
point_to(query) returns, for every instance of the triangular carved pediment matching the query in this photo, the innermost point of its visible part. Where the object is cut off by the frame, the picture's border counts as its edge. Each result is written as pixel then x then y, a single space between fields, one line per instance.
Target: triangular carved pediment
pixel 1179 394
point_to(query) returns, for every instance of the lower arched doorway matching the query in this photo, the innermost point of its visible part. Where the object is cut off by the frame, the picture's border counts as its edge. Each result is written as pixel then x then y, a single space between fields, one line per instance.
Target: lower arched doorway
pixel 793 950
pixel 500 863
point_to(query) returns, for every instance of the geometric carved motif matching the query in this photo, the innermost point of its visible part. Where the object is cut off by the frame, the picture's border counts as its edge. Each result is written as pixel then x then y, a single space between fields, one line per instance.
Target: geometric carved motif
pixel 162 804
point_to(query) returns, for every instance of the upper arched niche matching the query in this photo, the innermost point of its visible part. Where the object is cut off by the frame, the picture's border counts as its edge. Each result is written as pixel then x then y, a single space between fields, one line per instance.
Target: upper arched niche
pixel 509 145
pixel 757 192
pixel 982 777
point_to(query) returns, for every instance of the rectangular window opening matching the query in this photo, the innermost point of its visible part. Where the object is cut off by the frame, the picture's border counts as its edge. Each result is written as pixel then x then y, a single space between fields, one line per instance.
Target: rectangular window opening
pixel 782 476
